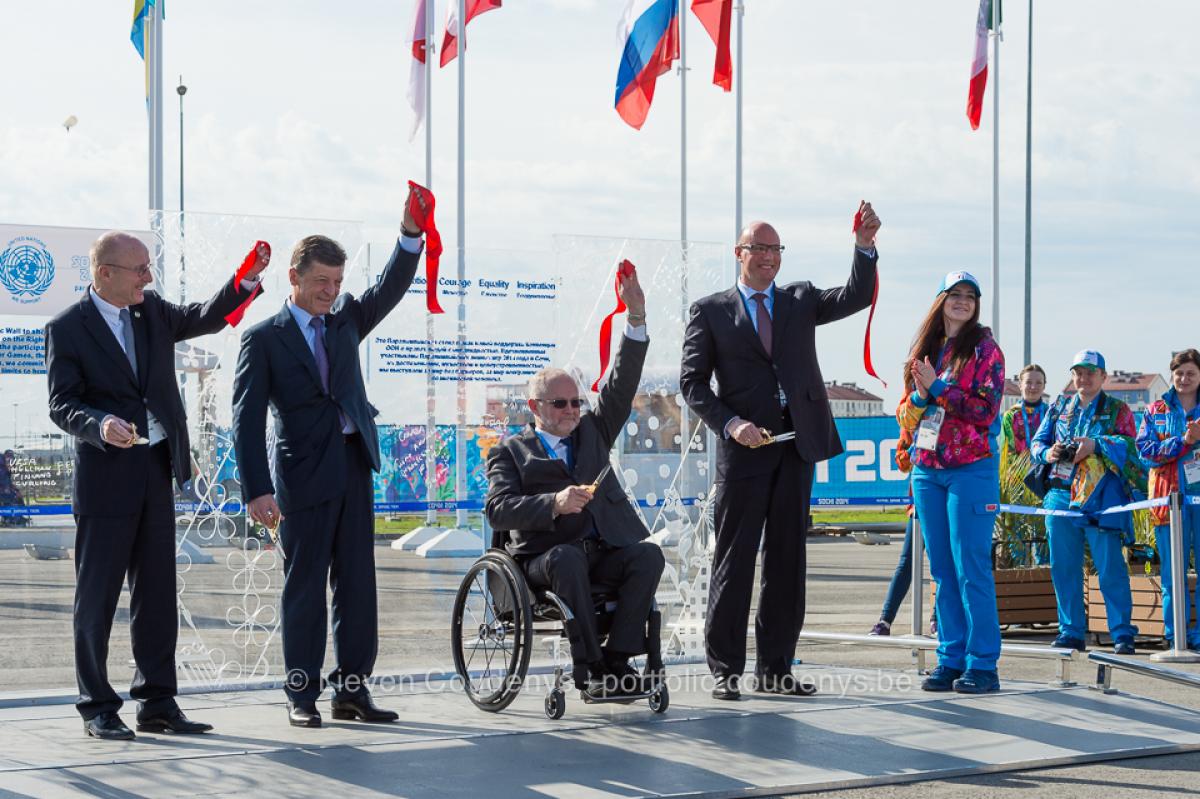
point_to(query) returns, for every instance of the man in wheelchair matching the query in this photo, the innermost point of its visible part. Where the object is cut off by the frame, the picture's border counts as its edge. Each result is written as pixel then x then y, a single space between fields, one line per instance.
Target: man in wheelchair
pixel 569 524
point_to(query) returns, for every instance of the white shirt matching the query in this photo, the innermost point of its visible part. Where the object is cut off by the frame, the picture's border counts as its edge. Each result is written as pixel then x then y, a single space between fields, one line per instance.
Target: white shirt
pixel 111 315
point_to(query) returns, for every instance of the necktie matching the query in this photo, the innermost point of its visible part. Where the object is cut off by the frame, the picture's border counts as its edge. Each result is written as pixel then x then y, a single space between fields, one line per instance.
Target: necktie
pixel 322 357
pixel 764 320
pixel 127 335
pixel 319 352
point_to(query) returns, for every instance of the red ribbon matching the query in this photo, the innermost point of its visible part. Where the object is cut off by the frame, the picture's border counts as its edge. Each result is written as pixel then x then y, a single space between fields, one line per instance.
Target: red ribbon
pixel 626 269
pixel 260 247
pixel 874 298
pixel 433 242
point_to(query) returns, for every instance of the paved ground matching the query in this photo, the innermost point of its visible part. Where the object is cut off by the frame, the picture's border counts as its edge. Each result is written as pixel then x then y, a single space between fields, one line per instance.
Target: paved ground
pixel 846 585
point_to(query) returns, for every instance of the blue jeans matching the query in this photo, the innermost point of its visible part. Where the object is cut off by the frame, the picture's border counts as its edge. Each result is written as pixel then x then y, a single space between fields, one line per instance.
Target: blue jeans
pixel 901 578
pixel 1191 549
pixel 957 509
pixel 1066 571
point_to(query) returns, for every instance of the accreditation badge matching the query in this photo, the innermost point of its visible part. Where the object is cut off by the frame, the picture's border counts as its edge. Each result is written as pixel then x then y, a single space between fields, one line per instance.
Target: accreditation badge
pixel 1191 473
pixel 1063 471
pixel 927 432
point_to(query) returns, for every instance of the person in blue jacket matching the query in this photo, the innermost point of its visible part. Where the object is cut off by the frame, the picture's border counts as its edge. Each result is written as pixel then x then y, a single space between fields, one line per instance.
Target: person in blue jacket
pixel 1087 437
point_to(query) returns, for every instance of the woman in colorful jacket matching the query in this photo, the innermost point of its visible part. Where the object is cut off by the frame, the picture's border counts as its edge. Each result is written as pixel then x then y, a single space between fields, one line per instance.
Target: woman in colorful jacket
pixel 1017 427
pixel 1167 442
pixel 955 383
pixel 1088 439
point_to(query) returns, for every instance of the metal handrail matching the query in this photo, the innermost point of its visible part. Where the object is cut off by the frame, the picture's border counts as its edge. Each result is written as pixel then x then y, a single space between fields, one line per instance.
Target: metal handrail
pixel 921 644
pixel 1107 663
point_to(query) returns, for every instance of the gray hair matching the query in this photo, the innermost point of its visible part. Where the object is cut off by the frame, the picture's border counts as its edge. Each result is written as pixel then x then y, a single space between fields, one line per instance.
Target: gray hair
pixel 105 248
pixel 540 382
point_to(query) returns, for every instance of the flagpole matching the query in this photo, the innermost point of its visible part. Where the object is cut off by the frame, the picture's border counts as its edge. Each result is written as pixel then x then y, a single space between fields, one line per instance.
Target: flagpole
pixel 460 467
pixel 996 171
pixel 737 146
pixel 1029 195
pixel 431 516
pixel 683 126
pixel 154 41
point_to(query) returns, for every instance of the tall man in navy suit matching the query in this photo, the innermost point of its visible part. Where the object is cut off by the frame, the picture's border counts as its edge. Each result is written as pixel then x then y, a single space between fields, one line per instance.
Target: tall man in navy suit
pixel 759 340
pixel 303 364
pixel 110 363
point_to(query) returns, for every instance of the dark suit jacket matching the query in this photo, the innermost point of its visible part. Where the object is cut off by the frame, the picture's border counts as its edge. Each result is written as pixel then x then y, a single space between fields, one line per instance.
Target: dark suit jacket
pixel 90 378
pixel 720 340
pixel 277 369
pixel 523 478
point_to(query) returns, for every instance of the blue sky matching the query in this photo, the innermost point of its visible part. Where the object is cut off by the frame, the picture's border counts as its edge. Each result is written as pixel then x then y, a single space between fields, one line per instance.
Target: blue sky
pixel 298 109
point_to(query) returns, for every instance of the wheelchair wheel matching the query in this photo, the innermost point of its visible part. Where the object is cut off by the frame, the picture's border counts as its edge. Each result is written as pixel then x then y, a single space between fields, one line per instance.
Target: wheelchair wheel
pixel 660 700
pixel 492 631
pixel 556 704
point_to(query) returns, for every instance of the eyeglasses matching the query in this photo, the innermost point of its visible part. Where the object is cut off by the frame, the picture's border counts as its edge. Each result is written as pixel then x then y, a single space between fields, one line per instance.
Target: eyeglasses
pixel 759 249
pixel 140 271
pixel 560 404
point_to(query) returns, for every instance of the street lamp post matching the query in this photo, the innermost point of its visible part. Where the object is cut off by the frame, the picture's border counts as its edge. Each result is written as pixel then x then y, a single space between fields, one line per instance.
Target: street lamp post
pixel 181 90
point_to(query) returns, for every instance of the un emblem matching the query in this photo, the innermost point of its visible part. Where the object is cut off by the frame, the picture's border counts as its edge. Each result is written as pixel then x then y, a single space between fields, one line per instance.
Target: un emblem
pixel 26 268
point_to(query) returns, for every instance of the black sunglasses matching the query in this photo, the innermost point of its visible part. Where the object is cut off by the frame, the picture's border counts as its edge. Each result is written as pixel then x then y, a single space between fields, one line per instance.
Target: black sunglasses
pixel 576 402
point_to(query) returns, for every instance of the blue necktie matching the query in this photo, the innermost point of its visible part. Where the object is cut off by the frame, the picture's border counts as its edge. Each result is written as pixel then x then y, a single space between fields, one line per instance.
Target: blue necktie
pixel 127 335
pixel 322 357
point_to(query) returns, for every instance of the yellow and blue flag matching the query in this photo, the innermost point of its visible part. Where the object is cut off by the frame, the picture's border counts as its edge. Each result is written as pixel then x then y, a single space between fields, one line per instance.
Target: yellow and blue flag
pixel 137 33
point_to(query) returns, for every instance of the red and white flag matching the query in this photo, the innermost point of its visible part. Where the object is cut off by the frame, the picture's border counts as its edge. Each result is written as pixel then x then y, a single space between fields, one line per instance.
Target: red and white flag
pixel 979 67
pixel 416 75
pixel 715 16
pixel 450 37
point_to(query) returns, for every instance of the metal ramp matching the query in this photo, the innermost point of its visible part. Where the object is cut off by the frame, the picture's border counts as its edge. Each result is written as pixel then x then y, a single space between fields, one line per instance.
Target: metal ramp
pixel 880 729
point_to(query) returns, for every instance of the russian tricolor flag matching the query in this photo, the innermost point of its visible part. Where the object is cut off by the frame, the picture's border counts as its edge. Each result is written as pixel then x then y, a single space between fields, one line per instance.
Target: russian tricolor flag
pixel 650 30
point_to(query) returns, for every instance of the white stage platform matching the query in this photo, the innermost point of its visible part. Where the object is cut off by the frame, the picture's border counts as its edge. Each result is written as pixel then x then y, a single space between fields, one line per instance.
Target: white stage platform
pixel 881 729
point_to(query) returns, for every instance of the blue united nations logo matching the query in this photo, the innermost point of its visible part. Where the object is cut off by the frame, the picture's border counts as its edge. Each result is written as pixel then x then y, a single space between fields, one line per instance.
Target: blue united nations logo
pixel 26 269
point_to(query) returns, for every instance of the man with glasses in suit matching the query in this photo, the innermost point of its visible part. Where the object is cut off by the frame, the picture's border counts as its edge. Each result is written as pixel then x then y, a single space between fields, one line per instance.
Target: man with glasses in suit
pixel 569 535
pixel 110 363
pixel 759 340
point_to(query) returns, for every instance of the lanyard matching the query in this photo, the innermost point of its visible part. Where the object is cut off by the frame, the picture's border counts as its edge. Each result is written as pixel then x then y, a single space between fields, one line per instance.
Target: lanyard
pixel 1029 431
pixel 553 452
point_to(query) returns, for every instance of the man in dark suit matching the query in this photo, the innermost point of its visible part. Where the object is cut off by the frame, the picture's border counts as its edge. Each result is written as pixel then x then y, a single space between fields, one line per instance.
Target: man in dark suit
pixel 566 537
pixel 318 489
pixel 759 340
pixel 110 363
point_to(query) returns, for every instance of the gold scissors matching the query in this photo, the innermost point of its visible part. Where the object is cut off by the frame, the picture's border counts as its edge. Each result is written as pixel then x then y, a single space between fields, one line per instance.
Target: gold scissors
pixel 768 438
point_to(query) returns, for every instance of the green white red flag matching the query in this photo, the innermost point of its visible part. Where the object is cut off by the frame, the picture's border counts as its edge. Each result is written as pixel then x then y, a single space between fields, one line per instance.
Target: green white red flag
pixel 979 67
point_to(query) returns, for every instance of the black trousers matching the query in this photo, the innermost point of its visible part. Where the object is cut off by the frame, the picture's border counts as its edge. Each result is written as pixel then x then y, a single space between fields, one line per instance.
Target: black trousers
pixel 779 501
pixel 142 546
pixel 575 573
pixel 332 541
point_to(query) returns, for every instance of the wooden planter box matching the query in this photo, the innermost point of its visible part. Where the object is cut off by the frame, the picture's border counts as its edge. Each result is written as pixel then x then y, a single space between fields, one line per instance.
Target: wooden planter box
pixel 1147 604
pixel 1023 596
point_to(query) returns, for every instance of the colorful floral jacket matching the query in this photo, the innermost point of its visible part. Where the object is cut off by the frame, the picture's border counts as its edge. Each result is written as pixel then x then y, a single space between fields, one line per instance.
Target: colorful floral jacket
pixel 1162 448
pixel 971 400
pixel 1013 435
pixel 1109 422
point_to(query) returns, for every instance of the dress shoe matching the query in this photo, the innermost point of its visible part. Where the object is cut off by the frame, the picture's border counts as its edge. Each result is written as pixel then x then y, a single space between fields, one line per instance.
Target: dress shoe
pixel 109 727
pixel 360 706
pixel 1064 641
pixel 172 720
pixel 783 684
pixel 941 679
pixel 1124 647
pixel 726 687
pixel 977 681
pixel 303 714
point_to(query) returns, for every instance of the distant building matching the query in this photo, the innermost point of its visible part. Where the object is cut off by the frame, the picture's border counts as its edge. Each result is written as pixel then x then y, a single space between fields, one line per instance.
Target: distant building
pixel 1137 389
pixel 847 399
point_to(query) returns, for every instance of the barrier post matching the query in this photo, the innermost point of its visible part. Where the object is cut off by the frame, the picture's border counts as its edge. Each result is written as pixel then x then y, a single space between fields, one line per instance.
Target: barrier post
pixel 918 589
pixel 1180 596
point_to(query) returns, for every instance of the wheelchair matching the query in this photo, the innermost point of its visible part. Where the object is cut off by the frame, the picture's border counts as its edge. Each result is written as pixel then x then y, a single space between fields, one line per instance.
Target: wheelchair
pixel 495 619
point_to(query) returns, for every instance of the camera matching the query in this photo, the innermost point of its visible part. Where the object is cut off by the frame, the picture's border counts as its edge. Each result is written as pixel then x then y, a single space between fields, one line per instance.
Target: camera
pixel 1069 451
